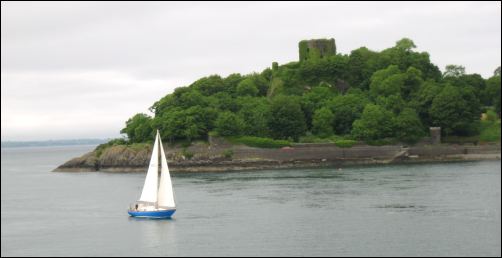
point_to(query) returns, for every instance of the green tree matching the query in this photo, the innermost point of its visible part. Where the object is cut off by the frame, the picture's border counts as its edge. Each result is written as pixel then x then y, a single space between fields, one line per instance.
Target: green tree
pixel 315 99
pixel 394 103
pixel 496 72
pixel 375 123
pixel 492 91
pixel 287 118
pixel 322 122
pixel 456 110
pixel 412 83
pixel 255 113
pixel 138 128
pixel 209 85
pixel 423 100
pixel 229 124
pixel 405 44
pixel 386 82
pixel 346 109
pixel 454 71
pixel 409 128
pixel 247 87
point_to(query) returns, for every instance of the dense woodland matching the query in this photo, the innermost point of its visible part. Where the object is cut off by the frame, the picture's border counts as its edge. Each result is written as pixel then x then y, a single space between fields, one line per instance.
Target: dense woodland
pixel 387 96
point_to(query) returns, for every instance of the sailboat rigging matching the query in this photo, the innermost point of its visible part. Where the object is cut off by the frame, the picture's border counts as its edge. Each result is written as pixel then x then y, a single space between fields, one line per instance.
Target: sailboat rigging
pixel 157 198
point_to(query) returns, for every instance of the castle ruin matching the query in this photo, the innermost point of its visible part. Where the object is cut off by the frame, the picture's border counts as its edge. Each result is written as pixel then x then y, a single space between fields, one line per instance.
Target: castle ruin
pixel 316 49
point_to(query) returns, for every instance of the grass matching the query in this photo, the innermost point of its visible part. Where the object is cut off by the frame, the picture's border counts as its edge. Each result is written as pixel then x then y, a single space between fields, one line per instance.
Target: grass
pixel 490 131
pixel 259 142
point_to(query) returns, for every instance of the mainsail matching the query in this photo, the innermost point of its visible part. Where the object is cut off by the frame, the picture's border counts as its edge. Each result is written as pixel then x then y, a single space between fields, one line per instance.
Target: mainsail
pixel 149 193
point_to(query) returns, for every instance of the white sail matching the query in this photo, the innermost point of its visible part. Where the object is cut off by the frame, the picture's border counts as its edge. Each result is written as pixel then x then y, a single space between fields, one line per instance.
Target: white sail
pixel 166 194
pixel 149 193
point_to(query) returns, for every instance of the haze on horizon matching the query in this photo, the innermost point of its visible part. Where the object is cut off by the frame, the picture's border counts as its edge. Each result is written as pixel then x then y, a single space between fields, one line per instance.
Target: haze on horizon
pixel 81 69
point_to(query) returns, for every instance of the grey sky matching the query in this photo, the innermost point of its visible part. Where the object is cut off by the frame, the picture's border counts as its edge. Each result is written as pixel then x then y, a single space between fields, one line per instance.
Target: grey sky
pixel 81 69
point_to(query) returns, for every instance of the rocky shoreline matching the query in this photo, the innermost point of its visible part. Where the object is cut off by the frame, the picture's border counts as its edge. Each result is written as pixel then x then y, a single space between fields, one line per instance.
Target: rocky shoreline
pixel 212 158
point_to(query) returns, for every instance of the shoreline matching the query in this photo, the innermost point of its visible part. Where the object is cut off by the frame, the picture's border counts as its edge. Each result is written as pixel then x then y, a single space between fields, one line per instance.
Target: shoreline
pixel 123 160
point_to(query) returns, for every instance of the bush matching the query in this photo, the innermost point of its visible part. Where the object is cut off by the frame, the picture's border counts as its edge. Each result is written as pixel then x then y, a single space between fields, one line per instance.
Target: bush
pixel 260 142
pixel 345 143
pixel 380 142
pixel 228 153
pixel 100 148
pixel 491 115
pixel 310 138
pixel 490 131
pixel 187 154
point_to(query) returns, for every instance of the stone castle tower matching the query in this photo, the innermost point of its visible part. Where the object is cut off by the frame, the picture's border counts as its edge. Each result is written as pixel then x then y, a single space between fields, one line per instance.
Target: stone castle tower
pixel 316 49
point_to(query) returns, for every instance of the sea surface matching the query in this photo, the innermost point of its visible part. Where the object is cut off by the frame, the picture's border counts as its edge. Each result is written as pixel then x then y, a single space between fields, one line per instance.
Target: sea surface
pixel 450 209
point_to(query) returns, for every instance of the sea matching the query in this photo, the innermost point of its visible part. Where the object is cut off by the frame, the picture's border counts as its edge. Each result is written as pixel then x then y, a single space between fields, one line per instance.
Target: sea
pixel 440 209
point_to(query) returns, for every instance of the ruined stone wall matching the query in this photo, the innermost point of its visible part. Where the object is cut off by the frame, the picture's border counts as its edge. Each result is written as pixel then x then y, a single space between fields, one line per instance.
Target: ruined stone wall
pixel 316 49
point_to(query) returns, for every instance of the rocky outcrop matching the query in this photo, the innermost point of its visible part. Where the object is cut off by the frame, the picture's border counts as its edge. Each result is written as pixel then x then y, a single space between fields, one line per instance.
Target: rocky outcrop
pixel 210 157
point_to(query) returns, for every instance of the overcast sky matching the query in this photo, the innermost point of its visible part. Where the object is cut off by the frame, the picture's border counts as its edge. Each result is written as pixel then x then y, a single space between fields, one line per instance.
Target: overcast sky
pixel 81 69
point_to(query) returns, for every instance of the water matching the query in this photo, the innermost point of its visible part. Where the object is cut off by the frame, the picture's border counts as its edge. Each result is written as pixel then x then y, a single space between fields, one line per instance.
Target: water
pixel 402 210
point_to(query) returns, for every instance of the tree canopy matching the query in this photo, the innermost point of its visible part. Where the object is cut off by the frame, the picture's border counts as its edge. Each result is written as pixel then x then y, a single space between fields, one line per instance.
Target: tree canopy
pixel 367 95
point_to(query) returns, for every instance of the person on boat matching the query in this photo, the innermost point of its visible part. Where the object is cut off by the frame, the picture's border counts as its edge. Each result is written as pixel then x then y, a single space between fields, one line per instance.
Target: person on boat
pixel 136 206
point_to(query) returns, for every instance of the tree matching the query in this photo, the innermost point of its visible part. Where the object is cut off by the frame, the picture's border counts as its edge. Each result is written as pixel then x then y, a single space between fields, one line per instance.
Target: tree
pixel 255 113
pixel 405 44
pixel 375 123
pixel 362 64
pixel 286 118
pixel 386 82
pixel 247 88
pixel 315 99
pixel 408 126
pixel 394 103
pixel 138 128
pixel 346 109
pixel 496 72
pixel 455 110
pixel 322 122
pixel 423 100
pixel 229 124
pixel 492 91
pixel 209 85
pixel 454 71
pixel 412 82
pixel 192 123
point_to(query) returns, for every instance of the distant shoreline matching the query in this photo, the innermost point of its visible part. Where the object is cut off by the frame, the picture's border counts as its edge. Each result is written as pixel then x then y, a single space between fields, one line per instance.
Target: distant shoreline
pixel 49 143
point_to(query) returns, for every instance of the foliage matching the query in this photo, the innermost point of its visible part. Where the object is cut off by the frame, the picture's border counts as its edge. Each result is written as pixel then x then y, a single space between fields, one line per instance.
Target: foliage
pixel 375 123
pixel 456 111
pixel 454 71
pixel 346 109
pixel 399 89
pixel 408 126
pixel 286 118
pixel 100 148
pixel 229 124
pixel 490 131
pixel 345 143
pixel 260 142
pixel 255 114
pixel 138 128
pixel 228 153
pixel 315 99
pixel 247 88
pixel 322 122
pixel 187 154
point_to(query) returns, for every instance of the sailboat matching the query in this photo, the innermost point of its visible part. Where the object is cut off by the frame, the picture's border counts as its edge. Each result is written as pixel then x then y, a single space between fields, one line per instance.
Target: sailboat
pixel 157 199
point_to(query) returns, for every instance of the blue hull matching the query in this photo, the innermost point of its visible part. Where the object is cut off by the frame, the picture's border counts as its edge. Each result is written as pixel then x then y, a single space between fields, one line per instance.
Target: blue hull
pixel 152 214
